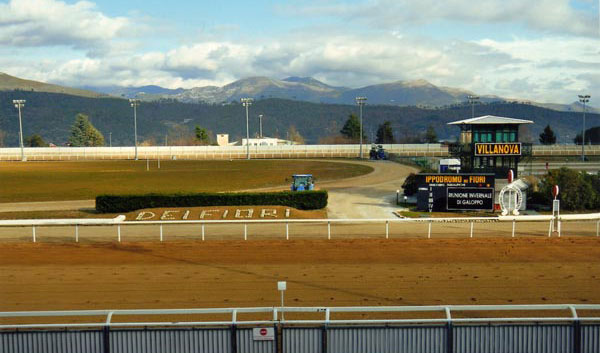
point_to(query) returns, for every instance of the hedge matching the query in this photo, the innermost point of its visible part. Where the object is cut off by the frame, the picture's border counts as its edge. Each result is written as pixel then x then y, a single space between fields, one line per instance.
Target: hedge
pixel 304 200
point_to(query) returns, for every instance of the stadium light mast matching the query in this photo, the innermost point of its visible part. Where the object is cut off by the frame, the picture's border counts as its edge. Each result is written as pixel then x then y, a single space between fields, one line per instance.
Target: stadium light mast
pixel 583 99
pixel 246 102
pixel 361 101
pixel 20 103
pixel 134 104
pixel 260 125
pixel 472 100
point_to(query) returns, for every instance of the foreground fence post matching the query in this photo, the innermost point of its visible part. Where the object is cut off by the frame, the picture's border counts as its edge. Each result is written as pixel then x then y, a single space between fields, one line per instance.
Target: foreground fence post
pixel 328 230
pixel 106 339
pixel 77 233
pixel 119 233
pixel 202 231
pixel 387 229
pixel 245 231
pixel 161 232
pixel 287 231
pixel 429 232
pixel 513 229
pixel 471 230
pixel 597 225
pixel 33 233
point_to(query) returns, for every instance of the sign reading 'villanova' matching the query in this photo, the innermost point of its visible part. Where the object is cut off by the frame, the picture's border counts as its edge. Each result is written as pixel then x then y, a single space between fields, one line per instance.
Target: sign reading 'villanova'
pixel 498 149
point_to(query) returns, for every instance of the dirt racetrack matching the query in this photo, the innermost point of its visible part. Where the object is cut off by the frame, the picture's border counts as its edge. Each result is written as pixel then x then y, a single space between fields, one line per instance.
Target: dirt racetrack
pixel 185 274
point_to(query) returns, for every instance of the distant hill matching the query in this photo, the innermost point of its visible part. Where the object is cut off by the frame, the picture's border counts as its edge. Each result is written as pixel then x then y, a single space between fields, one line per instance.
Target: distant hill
pixel 51 115
pixel 11 83
pixel 419 92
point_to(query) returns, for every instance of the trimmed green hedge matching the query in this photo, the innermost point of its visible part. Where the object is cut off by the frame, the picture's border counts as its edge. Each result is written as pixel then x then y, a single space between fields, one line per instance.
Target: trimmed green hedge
pixel 304 200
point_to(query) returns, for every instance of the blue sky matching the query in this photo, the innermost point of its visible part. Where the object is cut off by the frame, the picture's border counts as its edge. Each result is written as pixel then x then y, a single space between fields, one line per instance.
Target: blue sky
pixel 547 50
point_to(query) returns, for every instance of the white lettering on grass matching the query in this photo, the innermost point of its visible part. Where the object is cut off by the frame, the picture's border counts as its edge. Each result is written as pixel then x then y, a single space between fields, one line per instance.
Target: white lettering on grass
pixel 145 215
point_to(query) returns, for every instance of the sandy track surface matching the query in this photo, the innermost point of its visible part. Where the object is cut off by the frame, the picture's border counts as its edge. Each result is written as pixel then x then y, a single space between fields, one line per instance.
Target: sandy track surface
pixel 367 196
pixel 188 274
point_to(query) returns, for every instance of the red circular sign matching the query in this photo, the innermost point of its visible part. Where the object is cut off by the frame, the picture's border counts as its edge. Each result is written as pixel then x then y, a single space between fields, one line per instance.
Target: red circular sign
pixel 263 331
pixel 555 191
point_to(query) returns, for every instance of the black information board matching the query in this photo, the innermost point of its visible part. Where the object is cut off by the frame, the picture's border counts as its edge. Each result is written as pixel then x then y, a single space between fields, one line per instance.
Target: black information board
pixel 471 199
pixel 433 191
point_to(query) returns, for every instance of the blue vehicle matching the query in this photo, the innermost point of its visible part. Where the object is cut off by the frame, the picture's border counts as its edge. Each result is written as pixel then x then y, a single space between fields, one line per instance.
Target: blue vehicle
pixel 302 182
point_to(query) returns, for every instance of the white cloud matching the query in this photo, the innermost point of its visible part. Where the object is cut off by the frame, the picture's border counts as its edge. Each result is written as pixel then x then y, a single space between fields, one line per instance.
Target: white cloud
pixel 33 23
pixel 554 16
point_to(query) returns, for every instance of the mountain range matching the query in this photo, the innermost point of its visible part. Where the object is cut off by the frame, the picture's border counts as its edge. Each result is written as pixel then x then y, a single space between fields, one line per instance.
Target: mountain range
pixel 400 93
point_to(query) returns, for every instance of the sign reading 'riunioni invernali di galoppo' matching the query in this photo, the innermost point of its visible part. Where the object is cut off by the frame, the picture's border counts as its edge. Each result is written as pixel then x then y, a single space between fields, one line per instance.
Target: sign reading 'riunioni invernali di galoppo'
pixel 498 149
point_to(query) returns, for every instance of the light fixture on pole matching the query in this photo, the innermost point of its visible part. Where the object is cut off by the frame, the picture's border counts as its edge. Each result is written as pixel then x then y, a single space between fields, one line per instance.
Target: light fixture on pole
pixel 361 101
pixel 246 102
pixel 583 99
pixel 282 286
pixel 260 125
pixel 472 100
pixel 20 103
pixel 135 103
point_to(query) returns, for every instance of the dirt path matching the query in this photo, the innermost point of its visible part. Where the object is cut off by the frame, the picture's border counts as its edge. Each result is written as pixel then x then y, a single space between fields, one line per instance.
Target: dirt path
pixel 186 274
pixel 367 196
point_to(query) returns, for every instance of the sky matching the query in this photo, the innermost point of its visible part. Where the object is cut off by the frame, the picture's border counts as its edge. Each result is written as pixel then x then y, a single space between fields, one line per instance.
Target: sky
pixel 544 50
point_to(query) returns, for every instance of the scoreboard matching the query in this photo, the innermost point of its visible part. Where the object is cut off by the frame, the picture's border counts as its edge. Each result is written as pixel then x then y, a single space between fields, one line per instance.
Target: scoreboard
pixel 455 192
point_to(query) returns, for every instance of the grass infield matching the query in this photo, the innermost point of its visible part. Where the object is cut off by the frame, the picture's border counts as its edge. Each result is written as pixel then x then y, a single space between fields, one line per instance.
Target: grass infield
pixel 82 180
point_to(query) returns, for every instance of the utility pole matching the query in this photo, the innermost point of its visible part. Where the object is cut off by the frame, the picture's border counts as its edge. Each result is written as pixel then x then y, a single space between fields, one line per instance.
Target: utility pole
pixel 361 101
pixel 260 125
pixel 472 100
pixel 20 103
pixel 583 99
pixel 110 139
pixel 135 103
pixel 246 102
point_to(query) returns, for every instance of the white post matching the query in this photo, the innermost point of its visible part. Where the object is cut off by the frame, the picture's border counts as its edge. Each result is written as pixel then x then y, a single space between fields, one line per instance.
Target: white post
pixel 147 164
pixel 202 231
pixel 328 230
pixel 33 232
pixel 119 233
pixel 471 230
pixel 429 232
pixel 287 231
pixel 245 231
pixel 559 228
pixel 550 228
pixel 76 233
pixel 161 232
pixel 158 162
pixel 513 230
pixel 597 225
pixel 387 229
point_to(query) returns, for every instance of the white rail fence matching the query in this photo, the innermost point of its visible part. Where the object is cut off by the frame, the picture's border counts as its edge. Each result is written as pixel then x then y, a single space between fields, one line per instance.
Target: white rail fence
pixel 201 226
pixel 273 315
pixel 239 152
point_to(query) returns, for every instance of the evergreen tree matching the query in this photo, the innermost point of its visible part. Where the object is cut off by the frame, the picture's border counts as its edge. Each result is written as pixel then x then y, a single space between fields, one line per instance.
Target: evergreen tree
pixel 35 141
pixel 430 135
pixel 547 137
pixel 351 129
pixel 202 135
pixel 385 134
pixel 84 134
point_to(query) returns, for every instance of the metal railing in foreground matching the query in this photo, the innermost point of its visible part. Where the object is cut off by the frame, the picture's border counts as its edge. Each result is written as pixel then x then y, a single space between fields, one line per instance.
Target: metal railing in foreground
pixel 570 332
pixel 273 315
pixel 554 224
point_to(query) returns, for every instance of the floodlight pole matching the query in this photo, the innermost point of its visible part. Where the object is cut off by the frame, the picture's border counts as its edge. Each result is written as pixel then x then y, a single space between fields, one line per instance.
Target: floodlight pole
pixel 20 103
pixel 472 100
pixel 260 125
pixel 135 103
pixel 583 99
pixel 246 102
pixel 110 139
pixel 361 101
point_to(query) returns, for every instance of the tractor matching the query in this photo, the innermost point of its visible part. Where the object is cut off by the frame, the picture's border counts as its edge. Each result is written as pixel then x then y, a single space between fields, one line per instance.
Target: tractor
pixel 302 182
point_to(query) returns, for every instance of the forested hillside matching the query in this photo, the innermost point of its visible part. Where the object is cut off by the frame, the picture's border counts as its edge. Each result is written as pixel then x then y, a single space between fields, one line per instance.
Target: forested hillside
pixel 51 115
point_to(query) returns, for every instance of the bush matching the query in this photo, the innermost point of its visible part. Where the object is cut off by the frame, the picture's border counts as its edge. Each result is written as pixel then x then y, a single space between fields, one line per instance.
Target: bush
pixel 578 191
pixel 305 200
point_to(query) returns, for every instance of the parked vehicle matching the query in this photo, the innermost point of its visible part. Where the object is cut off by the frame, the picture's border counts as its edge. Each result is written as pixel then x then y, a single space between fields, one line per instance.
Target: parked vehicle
pixel 302 182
